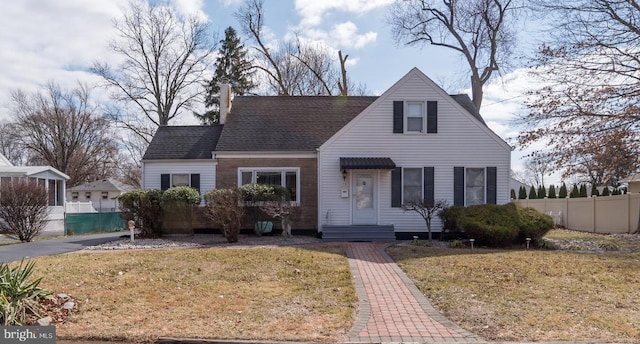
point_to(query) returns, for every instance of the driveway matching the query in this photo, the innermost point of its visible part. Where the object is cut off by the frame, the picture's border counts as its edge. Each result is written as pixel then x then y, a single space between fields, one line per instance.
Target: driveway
pixel 9 253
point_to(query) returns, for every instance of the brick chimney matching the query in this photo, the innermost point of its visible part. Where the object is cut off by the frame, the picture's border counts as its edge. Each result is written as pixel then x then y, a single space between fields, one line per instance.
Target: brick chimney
pixel 225 101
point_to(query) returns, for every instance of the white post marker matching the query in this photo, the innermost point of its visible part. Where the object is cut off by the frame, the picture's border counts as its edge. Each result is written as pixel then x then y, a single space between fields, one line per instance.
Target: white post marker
pixel 132 226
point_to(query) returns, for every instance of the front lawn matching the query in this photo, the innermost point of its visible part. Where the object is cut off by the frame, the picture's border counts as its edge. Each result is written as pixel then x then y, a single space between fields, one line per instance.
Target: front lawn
pixel 258 293
pixel 532 295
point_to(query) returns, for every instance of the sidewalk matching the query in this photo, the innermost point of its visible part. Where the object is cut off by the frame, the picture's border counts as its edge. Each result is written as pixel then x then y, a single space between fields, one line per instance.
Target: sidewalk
pixel 392 309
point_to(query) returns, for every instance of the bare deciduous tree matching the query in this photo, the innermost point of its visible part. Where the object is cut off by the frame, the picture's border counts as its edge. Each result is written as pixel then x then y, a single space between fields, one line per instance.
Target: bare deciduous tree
pixel 61 129
pixel 10 145
pixel 164 58
pixel 590 72
pixel 299 68
pixel 23 209
pixel 480 30
pixel 427 209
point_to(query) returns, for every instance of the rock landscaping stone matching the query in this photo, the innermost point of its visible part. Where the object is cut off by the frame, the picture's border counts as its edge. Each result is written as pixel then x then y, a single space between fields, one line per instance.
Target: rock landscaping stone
pixel 46 321
pixel 68 305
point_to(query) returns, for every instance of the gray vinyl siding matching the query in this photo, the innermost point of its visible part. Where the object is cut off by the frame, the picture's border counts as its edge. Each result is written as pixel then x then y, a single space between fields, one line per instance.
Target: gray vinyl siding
pixel 152 171
pixel 461 140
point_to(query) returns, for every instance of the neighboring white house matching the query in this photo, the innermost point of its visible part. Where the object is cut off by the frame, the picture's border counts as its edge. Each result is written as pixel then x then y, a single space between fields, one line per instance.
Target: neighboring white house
pixel 50 178
pixel 349 162
pixel 101 194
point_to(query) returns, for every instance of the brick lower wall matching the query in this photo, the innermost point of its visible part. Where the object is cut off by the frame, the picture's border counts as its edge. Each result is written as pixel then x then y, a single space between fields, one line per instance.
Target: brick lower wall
pixel 227 176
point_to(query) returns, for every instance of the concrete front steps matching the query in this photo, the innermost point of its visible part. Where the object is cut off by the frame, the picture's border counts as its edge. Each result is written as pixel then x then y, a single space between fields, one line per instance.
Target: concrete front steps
pixel 359 233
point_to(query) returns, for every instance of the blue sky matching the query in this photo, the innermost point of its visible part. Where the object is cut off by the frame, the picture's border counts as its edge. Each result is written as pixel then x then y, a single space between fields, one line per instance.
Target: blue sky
pixel 45 40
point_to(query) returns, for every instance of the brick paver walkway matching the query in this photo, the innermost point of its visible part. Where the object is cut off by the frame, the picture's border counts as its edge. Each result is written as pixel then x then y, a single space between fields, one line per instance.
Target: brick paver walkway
pixel 392 309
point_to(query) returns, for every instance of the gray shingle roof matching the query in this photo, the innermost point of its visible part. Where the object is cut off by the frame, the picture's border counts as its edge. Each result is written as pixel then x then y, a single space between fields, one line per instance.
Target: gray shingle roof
pixel 268 123
pixel 183 142
pixel 279 123
pixel 468 105
pixel 103 185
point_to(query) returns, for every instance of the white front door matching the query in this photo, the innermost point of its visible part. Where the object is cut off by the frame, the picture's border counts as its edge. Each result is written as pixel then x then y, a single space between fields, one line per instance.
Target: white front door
pixel 364 200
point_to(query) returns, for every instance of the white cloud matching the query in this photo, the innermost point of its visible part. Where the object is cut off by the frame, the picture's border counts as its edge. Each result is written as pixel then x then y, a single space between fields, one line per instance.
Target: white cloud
pixel 188 8
pixel 343 35
pixel 313 11
pixel 52 40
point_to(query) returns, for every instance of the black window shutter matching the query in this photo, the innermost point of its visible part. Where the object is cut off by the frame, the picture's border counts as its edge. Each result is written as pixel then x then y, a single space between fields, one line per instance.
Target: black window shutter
pixel 195 181
pixel 432 117
pixel 165 181
pixel 492 192
pixel 458 186
pixel 398 117
pixel 396 187
pixel 429 185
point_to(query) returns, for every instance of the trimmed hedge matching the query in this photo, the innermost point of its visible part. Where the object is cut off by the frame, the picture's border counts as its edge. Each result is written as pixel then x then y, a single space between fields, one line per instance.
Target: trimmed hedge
pixel 497 225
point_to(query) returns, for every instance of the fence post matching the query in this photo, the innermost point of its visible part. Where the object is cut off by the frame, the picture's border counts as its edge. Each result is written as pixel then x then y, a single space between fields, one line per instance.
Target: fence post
pixel 593 210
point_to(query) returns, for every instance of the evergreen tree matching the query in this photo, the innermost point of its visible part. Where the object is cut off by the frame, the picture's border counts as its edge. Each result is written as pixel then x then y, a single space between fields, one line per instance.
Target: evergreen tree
pixel 522 193
pixel 575 193
pixel 513 194
pixel 563 191
pixel 542 192
pixel 552 191
pixel 532 193
pixel 616 192
pixel 594 190
pixel 605 191
pixel 232 66
pixel 583 191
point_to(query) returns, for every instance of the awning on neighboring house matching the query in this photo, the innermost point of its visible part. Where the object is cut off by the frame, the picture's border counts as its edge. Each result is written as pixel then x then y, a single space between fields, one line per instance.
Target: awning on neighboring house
pixel 351 163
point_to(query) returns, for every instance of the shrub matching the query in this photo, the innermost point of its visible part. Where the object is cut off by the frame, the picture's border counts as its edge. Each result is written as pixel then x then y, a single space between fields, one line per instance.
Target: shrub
pixel 512 194
pixel 522 192
pixel 563 191
pixel 605 191
pixel 594 190
pixel 180 196
pixel 225 207
pixel 450 217
pixel 532 193
pixel 542 192
pixel 533 224
pixel 575 193
pixel 256 198
pixel 583 191
pixel 143 207
pixel 19 298
pixel 490 235
pixel 497 225
pixel 23 207
pixel 264 193
pixel 178 202
pixel 491 224
pixel 552 191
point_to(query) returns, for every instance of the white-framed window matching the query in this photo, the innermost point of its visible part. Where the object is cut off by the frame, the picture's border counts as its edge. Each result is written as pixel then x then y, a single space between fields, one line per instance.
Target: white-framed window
pixel 415 117
pixel 412 187
pixel 74 195
pixel 474 187
pixel 180 179
pixel 288 177
pixel 87 195
pixel 105 195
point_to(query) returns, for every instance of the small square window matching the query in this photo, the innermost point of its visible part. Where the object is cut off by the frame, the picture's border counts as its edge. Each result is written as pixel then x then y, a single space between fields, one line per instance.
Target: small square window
pixel 105 195
pixel 74 195
pixel 87 195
